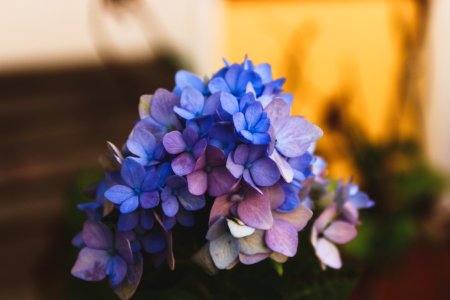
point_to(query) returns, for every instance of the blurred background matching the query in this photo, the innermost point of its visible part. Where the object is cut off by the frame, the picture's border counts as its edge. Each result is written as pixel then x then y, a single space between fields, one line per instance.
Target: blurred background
pixel 375 74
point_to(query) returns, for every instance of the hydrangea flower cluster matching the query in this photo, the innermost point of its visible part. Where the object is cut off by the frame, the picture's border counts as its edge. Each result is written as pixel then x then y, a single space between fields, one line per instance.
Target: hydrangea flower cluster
pixel 229 145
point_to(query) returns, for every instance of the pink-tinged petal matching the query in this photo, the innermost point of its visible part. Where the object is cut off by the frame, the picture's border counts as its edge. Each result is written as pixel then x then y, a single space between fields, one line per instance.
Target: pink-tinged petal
pixel 299 217
pixel 220 208
pixel 91 264
pixel 224 251
pixel 235 169
pixel 275 194
pixel 350 213
pixel 325 218
pixel 183 164
pixel 328 253
pixel 295 136
pixel 199 148
pixel 173 142
pixel 96 235
pixel 197 182
pixel 340 232
pixel 282 238
pixel 123 247
pixel 149 199
pixel 200 164
pixel 252 259
pixel 220 181
pixel 126 289
pixel 283 166
pixel 265 172
pixel 117 270
pixel 248 178
pixel 253 244
pixel 254 210
pixel 278 257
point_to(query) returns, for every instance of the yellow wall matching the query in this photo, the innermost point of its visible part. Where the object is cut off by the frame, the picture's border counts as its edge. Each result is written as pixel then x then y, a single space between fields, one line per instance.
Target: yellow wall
pixel 325 48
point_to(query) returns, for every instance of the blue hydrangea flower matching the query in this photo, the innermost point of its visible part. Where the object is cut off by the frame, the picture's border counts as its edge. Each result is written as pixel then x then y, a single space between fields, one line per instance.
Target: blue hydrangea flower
pixel 251 163
pixel 223 137
pixel 140 217
pixel 102 255
pixel 193 104
pixel 188 148
pixel 184 79
pixel 145 147
pixel 252 125
pixel 139 188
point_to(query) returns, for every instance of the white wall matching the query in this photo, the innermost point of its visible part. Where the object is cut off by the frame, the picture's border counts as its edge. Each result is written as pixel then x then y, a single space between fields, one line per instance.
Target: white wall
pixel 55 32
pixel 438 121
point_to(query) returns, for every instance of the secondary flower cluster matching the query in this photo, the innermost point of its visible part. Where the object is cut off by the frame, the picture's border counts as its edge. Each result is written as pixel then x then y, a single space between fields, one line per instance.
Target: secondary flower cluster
pixel 229 145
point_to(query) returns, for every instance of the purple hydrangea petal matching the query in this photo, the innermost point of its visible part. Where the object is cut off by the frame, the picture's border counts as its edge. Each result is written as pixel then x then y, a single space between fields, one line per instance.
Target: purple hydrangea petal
pixel 224 251
pixel 96 235
pixel 119 193
pixel 146 219
pixel 229 103
pixel 136 149
pixel 91 264
pixel 241 154
pixel 199 148
pixel 77 240
pixel 123 247
pixel 248 178
pixel 211 104
pixel 220 208
pixel 325 218
pixel 151 180
pixel 190 202
pixel 235 169
pixel 239 121
pixel 129 205
pixel 149 199
pixel 340 232
pixel 254 210
pixel 218 85
pixel 252 259
pixel 197 182
pixel 265 172
pixel 128 286
pixel 173 142
pixel 298 218
pixel 190 136
pixel 144 138
pixel 154 241
pixel 282 238
pixel 127 222
pixel 161 108
pixel 168 222
pixel 283 166
pixel 278 112
pixel 220 181
pixel 117 270
pixel 132 172
pixel 187 115
pixel 183 164
pixel 185 79
pixel 328 253
pixel 170 206
pixel 215 156
pixel 275 194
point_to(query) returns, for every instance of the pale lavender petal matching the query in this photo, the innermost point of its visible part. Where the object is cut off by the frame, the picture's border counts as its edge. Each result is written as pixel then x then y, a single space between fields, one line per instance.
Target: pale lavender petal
pixel 190 202
pixel 253 244
pixel 295 136
pixel 173 142
pixel 183 164
pixel 197 182
pixel 252 259
pixel 340 232
pixel 149 199
pixel 350 213
pixel 218 84
pixel 328 253
pixel 144 138
pixel 254 210
pixel 136 148
pixel 253 114
pixel 238 229
pixel 278 111
pixel 220 181
pixel 91 264
pixel 161 108
pixel 325 217
pixel 265 172
pixel 275 194
pixel 239 121
pixel 282 238
pixel 117 270
pixel 217 229
pixel 235 169
pixel 119 193
pixel 224 251
pixel 283 166
pixel 132 172
pixel 183 113
pixel 192 100
pixel 229 103
pixel 184 79
pixel 96 235
pixel 298 217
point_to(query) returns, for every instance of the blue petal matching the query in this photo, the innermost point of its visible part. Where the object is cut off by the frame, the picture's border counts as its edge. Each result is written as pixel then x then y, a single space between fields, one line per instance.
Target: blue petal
pixel 261 138
pixel 150 182
pixel 119 193
pixel 187 79
pixel 132 172
pixel 147 220
pixel 229 103
pixel 129 205
pixel 265 72
pixel 218 85
pixel 170 206
pixel 232 76
pixel 253 114
pixel 117 270
pixel 291 200
pixel 239 121
pixel 263 125
pixel 183 113
pixel 185 218
pixel 127 222
pixel 192 101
